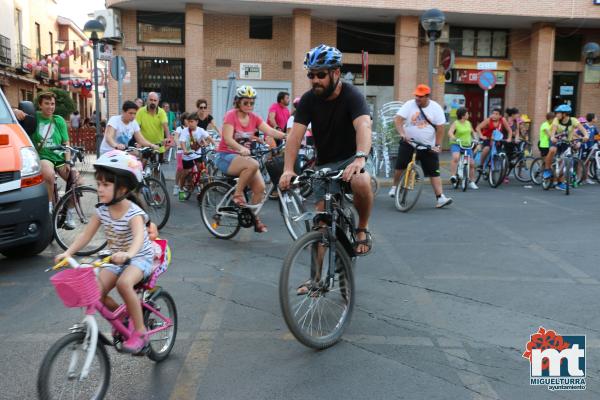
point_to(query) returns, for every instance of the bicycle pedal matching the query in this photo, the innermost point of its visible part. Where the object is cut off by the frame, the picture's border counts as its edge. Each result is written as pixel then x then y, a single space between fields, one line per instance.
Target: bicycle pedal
pixel 143 352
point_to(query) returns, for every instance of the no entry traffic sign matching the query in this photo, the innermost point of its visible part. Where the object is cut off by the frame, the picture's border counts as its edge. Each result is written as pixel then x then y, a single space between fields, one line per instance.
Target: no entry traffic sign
pixel 486 80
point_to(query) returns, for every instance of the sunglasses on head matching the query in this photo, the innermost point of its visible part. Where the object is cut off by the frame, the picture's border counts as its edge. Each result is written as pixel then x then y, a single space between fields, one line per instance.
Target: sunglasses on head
pixel 320 74
pixel 247 103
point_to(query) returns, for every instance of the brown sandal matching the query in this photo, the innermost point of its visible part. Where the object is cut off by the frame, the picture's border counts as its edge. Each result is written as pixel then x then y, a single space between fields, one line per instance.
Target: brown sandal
pixel 260 227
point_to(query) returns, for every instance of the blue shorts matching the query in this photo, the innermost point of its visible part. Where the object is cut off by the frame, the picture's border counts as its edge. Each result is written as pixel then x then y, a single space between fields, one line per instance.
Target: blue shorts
pixel 456 149
pixel 223 161
pixel 144 264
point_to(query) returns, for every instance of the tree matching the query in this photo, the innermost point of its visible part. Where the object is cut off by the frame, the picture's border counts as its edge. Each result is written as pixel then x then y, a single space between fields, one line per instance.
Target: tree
pixel 64 103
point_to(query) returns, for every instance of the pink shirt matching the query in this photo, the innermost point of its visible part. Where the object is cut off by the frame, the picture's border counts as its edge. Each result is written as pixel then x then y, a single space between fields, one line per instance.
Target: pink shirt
pixel 241 133
pixel 282 113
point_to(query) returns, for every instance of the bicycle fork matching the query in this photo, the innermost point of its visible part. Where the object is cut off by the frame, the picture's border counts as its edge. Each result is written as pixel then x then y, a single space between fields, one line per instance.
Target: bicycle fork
pixel 90 341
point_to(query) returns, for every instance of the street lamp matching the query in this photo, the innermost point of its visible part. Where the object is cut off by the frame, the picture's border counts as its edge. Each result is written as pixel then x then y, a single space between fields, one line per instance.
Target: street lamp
pixel 95 31
pixel 433 22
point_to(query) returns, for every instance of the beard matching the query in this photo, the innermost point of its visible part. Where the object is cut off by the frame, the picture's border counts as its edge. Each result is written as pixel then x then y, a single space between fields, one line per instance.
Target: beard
pixel 152 106
pixel 324 92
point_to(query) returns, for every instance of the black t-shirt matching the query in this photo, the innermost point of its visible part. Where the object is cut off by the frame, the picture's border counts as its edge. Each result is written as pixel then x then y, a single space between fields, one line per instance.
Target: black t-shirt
pixel 203 123
pixel 333 132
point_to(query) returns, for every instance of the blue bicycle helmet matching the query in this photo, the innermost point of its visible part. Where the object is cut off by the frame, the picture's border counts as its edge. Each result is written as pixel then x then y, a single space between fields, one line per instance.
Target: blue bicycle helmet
pixel 323 56
pixel 564 108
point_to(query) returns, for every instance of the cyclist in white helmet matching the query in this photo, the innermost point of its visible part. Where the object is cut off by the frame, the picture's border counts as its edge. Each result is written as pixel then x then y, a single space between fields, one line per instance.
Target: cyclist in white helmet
pixel 240 126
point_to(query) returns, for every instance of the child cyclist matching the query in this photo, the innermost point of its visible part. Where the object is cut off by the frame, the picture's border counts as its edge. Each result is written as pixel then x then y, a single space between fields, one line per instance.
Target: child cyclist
pixel 118 174
pixel 190 140
pixel 462 131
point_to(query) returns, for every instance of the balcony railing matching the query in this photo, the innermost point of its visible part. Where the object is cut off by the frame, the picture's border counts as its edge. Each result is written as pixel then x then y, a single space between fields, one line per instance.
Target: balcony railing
pixel 5 58
pixel 23 58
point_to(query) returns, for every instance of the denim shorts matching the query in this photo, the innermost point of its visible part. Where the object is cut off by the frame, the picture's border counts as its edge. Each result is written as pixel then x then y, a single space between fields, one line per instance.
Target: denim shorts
pixel 145 264
pixel 456 149
pixel 223 161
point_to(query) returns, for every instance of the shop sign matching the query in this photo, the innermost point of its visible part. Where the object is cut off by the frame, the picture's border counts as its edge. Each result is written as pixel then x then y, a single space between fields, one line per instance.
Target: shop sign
pixel 487 65
pixel 250 71
pixel 471 76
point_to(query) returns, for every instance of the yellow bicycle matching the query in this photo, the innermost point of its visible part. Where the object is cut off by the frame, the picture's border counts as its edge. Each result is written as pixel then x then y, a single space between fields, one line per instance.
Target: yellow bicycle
pixel 411 182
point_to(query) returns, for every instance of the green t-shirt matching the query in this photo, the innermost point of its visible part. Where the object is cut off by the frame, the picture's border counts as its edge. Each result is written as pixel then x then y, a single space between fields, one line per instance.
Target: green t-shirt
pixel 172 117
pixel 544 135
pixel 462 131
pixel 151 125
pixel 50 132
pixel 567 129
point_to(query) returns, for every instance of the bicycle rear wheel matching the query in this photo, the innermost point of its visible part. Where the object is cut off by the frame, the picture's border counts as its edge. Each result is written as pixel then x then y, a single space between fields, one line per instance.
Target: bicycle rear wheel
pixel 161 343
pixel 315 310
pixel 218 211
pixel 156 201
pixel 568 174
pixel 292 206
pixel 522 171
pixel 536 170
pixel 81 201
pixel 58 377
pixel 409 189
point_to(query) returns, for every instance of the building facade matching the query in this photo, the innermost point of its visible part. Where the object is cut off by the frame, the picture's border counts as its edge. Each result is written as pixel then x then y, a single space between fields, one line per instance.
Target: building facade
pixel 32 31
pixel 187 50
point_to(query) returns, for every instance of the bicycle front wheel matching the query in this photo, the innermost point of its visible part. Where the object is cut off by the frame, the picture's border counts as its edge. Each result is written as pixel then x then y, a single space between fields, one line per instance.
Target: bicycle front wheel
pixel 497 169
pixel 409 189
pixel 59 374
pixel 464 183
pixel 315 309
pixel 71 216
pixel 161 343
pixel 292 206
pixel 218 211
pixel 156 201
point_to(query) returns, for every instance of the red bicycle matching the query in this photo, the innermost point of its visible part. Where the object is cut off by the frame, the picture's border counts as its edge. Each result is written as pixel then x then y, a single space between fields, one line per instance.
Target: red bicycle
pixel 202 173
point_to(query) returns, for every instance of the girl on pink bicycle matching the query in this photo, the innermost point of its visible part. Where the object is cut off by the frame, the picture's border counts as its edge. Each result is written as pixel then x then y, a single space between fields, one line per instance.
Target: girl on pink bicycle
pixel 118 175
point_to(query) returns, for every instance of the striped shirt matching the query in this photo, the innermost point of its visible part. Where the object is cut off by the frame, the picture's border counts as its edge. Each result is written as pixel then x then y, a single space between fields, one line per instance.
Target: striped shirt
pixel 118 231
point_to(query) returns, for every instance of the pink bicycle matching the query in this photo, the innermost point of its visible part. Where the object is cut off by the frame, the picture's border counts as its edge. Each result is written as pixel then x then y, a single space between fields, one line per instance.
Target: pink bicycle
pixel 77 365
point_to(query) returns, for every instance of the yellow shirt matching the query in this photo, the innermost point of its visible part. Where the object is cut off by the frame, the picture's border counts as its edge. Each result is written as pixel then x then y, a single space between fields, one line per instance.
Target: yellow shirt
pixel 151 125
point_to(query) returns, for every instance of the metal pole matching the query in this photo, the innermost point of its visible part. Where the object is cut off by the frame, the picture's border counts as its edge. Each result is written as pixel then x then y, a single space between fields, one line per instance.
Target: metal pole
pixel 431 55
pixel 485 103
pixel 98 132
pixel 119 83
pixel 106 88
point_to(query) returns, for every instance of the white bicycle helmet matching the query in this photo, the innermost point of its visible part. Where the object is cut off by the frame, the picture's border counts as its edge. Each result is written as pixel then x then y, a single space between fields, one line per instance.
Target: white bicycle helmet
pixel 127 170
pixel 246 92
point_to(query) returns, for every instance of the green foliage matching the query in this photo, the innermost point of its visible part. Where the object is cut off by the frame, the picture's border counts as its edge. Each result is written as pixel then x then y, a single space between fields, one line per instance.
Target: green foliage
pixel 64 103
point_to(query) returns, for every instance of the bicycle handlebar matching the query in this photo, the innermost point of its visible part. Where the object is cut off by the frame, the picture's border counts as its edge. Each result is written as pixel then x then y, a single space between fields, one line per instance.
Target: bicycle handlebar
pixel 74 264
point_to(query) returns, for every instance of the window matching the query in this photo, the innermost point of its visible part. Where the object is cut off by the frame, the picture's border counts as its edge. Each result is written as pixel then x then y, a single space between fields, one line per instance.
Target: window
pixel 568 48
pixel 38 42
pixel 74 51
pixel 51 37
pixel 479 42
pixel 379 75
pixel 19 26
pixel 160 27
pixel 376 38
pixel 261 27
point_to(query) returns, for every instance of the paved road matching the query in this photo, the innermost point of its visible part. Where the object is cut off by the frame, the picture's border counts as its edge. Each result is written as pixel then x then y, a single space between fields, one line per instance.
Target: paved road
pixel 445 305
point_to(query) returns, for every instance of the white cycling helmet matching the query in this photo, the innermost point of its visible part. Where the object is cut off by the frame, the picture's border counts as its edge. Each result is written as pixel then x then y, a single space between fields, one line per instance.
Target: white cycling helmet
pixel 245 92
pixel 121 164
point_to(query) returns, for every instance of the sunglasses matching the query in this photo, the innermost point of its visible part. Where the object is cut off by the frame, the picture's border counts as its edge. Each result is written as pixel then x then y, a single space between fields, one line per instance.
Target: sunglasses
pixel 247 103
pixel 320 74
pixel 202 108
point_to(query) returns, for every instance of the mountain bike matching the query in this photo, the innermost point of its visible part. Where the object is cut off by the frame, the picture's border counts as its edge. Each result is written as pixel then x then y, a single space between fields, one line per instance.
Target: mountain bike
pixel 203 171
pixel 223 218
pixel 316 284
pixel 73 210
pixel 520 163
pixel 566 165
pixel 77 365
pixel 495 165
pixel 411 182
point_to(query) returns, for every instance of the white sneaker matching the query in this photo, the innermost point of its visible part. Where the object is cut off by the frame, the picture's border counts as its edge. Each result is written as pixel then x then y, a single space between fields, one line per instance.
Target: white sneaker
pixel 443 201
pixel 69 223
pixel 473 186
pixel 588 181
pixel 175 190
pixel 392 192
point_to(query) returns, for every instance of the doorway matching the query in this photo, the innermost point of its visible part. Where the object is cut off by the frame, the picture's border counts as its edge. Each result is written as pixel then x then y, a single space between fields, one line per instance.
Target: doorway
pixel 564 89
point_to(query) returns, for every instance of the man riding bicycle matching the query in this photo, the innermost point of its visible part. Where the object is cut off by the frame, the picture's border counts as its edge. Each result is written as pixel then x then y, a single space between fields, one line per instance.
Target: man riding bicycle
pixel 52 131
pixel 154 123
pixel 563 126
pixel 341 129
pixel 485 130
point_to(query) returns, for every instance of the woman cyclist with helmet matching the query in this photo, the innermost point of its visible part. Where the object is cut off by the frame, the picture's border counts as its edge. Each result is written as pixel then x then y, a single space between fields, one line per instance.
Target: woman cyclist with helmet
pixel 239 127
pixel 118 174
pixel 563 125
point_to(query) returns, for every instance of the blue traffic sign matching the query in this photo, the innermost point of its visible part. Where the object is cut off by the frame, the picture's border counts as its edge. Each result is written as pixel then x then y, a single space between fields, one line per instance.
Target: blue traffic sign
pixel 486 80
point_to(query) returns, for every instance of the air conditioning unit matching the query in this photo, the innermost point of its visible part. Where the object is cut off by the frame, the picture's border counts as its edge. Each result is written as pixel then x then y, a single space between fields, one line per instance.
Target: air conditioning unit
pixel 445 36
pixel 111 19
